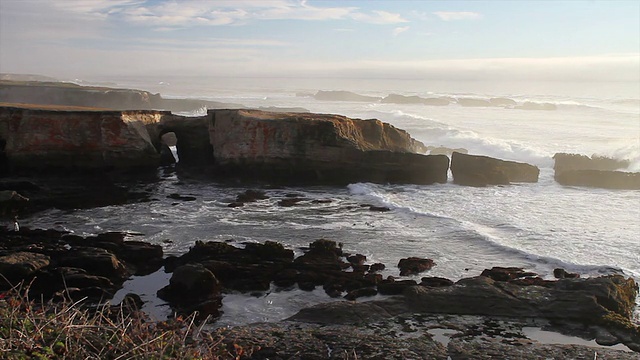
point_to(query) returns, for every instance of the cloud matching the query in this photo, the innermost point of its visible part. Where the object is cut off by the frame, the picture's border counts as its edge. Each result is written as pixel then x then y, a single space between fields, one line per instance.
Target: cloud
pixel 459 15
pixel 378 17
pixel 399 30
pixel 187 13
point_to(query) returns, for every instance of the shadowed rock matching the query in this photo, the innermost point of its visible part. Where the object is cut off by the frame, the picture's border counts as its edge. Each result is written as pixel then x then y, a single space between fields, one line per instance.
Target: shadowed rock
pixel 474 170
pixel 320 148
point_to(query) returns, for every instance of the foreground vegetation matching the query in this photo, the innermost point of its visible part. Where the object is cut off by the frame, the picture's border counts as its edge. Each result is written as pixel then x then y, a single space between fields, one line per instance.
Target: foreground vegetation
pixel 71 330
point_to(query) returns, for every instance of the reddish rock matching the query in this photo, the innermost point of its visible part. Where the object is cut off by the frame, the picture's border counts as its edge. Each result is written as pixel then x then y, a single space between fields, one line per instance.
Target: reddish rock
pixel 318 148
pixel 55 140
pixel 414 265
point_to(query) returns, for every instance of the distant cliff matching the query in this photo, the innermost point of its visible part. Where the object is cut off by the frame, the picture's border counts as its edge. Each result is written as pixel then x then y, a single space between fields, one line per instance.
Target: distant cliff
pixel 69 94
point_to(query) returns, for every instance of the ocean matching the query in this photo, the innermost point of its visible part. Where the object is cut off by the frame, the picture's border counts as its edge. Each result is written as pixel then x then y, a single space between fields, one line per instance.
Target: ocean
pixel 539 226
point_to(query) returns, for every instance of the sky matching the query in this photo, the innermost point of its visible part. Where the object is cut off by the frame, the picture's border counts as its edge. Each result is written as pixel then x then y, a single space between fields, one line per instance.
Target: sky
pixel 441 40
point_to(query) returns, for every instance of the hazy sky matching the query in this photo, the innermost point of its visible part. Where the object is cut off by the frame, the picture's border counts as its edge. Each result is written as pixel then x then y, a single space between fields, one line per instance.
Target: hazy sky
pixel 567 40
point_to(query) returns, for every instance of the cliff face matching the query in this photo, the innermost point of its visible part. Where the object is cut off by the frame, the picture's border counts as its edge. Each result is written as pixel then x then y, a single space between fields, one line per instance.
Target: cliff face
pixel 249 144
pixel 75 95
pixel 475 170
pixel 45 139
pixel 312 147
pixel 251 134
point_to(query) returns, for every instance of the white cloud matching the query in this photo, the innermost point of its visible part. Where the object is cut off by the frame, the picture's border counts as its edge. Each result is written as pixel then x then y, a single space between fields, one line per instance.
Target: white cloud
pixel 378 17
pixel 457 15
pixel 399 30
pixel 168 14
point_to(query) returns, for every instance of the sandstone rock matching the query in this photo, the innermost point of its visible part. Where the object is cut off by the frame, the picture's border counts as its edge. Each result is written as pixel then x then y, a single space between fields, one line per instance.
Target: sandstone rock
pixel 64 94
pixel 599 178
pixel 67 140
pixel 564 162
pixel 594 171
pixel 193 143
pixel 297 147
pixel 473 170
pixel 21 265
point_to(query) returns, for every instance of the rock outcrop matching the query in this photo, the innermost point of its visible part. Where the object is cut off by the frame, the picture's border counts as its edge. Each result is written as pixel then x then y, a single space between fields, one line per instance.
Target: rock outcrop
pixel 81 140
pixel 600 178
pixel 594 171
pixel 319 148
pixel 69 94
pixel 474 170
pixel 287 147
pixel 57 262
pixel 565 162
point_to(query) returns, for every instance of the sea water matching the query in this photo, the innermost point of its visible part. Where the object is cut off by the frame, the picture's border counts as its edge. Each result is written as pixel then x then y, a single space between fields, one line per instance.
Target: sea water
pixel 537 226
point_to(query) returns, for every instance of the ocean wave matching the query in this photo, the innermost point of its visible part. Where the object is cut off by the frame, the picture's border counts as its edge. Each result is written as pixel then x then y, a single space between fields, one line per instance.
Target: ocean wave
pixel 435 133
pixel 515 102
pixel 488 236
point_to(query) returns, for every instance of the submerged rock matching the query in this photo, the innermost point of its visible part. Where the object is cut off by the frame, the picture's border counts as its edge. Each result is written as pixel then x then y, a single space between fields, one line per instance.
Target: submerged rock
pixel 600 179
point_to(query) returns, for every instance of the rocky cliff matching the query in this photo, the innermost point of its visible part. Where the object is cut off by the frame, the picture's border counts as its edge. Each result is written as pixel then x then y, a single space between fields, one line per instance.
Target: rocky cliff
pixel 249 144
pixel 475 170
pixel 319 147
pixel 36 139
pixel 69 94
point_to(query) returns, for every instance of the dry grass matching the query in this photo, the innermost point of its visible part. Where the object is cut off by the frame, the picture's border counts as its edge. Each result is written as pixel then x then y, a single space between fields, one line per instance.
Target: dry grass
pixel 70 330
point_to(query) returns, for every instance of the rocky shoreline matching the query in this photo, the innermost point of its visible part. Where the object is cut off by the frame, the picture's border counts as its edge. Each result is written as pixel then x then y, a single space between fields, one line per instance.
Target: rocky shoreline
pixel 482 315
pixel 488 315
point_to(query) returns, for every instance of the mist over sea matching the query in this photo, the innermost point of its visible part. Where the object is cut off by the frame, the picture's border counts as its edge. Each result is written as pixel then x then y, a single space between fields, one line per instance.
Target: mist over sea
pixel 538 226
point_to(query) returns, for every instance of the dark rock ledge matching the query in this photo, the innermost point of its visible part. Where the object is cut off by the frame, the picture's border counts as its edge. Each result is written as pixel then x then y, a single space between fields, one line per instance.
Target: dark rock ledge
pixel 487 315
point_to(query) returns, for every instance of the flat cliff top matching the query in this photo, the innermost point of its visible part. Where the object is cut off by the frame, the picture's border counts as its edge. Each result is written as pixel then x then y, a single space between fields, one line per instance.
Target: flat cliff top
pixel 62 85
pixel 52 107
pixel 270 115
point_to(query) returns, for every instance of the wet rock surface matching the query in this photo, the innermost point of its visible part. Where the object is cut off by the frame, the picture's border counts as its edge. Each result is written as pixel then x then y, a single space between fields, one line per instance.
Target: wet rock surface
pixel 488 314
pixel 54 261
